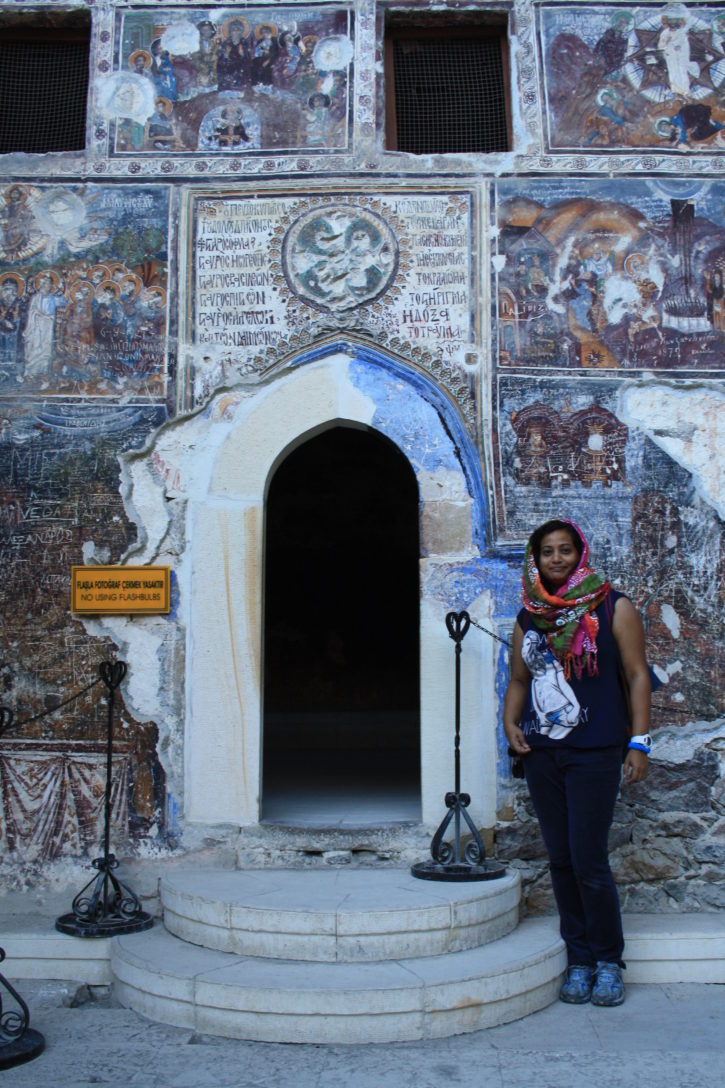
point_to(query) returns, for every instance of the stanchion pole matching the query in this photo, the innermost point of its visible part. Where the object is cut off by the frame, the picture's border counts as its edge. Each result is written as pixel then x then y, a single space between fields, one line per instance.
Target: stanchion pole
pixel 111 908
pixel 454 861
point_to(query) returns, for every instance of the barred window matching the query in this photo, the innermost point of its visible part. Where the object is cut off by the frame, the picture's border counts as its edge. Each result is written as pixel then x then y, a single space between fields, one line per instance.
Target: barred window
pixel 447 87
pixel 44 62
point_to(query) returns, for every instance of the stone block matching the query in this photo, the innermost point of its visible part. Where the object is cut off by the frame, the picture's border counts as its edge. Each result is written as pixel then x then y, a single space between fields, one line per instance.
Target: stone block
pixel 446 528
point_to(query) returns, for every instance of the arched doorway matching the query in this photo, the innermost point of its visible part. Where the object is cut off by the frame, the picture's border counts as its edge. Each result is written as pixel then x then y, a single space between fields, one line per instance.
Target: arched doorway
pixel 221 586
pixel 341 634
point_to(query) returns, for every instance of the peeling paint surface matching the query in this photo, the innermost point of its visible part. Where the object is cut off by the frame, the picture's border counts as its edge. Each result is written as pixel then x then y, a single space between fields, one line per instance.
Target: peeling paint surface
pixel 689 425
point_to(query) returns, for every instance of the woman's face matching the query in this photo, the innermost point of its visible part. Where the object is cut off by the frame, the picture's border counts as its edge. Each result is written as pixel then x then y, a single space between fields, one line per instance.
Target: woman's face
pixel 558 558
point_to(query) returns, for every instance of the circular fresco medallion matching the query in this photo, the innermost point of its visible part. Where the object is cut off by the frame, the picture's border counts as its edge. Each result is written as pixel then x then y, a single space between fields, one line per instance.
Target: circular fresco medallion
pixel 338 257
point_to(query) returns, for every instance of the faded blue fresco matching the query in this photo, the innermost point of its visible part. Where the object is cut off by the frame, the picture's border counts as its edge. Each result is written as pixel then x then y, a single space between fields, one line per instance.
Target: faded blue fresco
pixel 645 77
pixel 83 291
pixel 414 413
pixel 231 80
pixel 603 274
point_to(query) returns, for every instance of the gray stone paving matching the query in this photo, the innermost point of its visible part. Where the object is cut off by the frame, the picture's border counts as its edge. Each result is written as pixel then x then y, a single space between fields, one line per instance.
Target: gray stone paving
pixel 664 1036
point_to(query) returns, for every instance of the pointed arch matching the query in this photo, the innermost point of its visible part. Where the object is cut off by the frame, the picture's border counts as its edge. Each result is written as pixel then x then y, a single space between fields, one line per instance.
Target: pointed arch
pixel 338 383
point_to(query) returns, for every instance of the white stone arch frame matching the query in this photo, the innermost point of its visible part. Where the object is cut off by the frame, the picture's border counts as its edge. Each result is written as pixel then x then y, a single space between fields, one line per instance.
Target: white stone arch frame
pixel 223 742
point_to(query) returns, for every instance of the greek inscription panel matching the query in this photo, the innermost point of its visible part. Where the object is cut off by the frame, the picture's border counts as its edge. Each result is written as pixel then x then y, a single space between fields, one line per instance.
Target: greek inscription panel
pixel 268 268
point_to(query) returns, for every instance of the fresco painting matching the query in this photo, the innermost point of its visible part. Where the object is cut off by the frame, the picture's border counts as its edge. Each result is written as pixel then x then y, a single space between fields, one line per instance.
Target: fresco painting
pixel 60 505
pixel 601 288
pixel 650 76
pixel 52 796
pixel 561 440
pixel 83 282
pixel 560 447
pixel 601 275
pixel 228 82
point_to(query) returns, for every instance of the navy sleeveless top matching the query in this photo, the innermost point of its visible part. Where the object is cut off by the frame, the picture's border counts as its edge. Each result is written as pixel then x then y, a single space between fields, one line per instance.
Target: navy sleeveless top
pixel 590 712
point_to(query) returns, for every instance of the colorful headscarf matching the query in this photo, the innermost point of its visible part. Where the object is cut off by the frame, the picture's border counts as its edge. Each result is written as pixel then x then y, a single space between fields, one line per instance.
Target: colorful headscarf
pixel 567 617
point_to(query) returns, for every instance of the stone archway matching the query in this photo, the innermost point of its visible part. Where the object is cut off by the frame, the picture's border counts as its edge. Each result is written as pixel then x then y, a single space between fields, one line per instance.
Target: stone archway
pixel 333 385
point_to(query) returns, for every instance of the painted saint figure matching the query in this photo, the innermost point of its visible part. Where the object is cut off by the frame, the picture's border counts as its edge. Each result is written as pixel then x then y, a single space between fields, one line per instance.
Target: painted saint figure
pixel 11 309
pixel 233 62
pixel 16 222
pixel 77 338
pixel 160 134
pixel 39 333
pixel 264 56
pixel 674 44
pixel 108 327
pixel 162 71
pixel 286 62
pixel 205 59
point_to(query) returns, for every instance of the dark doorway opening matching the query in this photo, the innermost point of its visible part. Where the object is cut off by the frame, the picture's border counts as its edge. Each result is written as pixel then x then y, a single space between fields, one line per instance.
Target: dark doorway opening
pixel 341 653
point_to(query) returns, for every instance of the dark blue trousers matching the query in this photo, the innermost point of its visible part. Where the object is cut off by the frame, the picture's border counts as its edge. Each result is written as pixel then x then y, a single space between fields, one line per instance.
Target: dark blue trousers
pixel 574 791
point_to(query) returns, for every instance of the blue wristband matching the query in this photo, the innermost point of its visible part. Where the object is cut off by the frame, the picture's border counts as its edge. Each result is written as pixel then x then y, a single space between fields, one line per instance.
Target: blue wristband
pixel 639 747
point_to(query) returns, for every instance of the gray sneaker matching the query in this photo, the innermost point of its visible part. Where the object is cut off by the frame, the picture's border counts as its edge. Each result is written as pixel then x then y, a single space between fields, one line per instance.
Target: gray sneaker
pixel 577 987
pixel 608 986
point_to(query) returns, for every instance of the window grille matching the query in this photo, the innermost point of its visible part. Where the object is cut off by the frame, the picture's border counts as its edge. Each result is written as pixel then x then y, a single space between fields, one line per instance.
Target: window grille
pixel 449 91
pixel 43 88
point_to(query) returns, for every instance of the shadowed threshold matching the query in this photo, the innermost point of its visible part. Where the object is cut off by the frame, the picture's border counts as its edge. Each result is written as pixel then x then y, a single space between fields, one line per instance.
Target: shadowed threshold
pixel 354 789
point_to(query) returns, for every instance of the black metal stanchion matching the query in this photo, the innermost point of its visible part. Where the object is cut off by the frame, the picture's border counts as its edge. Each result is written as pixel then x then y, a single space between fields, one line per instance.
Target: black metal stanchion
pixel 18 1041
pixel 111 908
pixel 453 861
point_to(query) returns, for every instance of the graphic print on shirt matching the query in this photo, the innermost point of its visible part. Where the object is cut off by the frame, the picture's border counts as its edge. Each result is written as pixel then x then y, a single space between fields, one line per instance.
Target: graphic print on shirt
pixel 555 704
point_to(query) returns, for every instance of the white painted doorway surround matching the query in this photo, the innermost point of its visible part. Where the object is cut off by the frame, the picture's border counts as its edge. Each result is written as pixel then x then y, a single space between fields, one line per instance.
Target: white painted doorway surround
pixel 226 526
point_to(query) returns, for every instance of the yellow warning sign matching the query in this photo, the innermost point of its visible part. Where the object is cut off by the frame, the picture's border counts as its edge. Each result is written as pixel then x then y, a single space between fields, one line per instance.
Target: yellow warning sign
pixel 114 590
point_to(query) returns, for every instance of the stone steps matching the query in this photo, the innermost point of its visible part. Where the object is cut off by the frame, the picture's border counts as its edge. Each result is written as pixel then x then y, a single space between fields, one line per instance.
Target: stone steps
pixel 336 916
pixel 340 956
pixel 345 955
pixel 273 1000
pixel 659 949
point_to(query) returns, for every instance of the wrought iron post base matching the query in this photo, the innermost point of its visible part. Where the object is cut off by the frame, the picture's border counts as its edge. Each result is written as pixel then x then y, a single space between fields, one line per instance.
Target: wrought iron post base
pixel 432 870
pixel 448 860
pixel 110 910
pixel 29 1046
pixel 18 1042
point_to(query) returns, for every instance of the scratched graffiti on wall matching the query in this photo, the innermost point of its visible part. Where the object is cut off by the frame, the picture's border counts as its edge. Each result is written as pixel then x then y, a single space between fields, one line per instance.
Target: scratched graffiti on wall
pixel 230 81
pixel 83 282
pixel 611 275
pixel 645 77
pixel 59 492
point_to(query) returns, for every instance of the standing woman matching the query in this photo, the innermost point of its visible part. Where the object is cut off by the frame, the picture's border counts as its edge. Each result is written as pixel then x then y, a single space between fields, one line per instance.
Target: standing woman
pixel 566 715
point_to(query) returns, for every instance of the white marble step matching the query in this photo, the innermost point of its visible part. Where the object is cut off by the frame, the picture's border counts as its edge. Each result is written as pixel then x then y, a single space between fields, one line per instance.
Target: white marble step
pixel 336 916
pixel 660 948
pixel 270 1000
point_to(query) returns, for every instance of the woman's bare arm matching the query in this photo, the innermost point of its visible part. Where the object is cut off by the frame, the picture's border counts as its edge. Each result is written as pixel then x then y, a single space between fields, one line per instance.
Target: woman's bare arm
pixel 629 635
